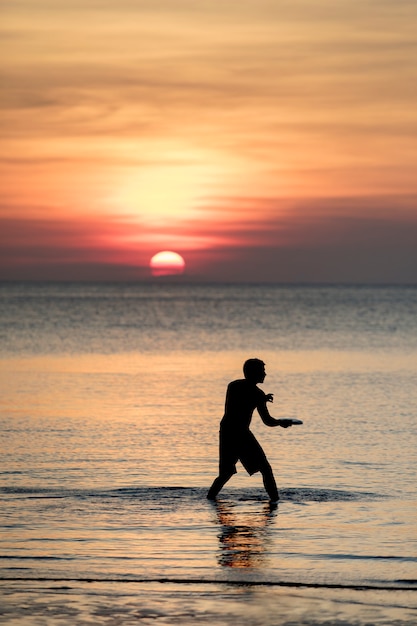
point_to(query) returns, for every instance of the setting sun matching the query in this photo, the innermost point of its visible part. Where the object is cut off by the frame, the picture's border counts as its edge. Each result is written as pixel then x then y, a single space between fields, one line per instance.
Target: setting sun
pixel 167 263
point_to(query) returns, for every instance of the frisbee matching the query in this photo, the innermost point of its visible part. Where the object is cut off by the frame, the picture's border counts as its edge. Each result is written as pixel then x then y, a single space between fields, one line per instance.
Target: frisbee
pixel 292 421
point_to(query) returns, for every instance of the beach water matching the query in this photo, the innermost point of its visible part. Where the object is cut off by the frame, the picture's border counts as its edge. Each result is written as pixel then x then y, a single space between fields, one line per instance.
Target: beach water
pixel 111 397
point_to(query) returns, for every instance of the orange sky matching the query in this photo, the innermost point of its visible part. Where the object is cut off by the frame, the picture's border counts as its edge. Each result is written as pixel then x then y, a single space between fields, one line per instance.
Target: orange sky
pixel 263 140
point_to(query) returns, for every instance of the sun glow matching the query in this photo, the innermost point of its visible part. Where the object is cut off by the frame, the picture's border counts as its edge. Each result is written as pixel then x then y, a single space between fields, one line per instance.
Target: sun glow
pixel 168 186
pixel 173 182
pixel 167 263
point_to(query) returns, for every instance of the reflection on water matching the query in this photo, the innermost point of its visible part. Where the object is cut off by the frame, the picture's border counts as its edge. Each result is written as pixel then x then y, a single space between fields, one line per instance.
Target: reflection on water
pixel 111 401
pixel 244 535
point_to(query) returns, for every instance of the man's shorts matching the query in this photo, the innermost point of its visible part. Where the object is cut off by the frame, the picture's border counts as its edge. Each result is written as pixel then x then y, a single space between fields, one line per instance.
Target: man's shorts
pixel 240 446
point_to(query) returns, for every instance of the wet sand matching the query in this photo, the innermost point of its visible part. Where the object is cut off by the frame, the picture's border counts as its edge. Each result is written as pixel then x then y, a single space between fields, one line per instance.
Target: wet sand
pixel 27 603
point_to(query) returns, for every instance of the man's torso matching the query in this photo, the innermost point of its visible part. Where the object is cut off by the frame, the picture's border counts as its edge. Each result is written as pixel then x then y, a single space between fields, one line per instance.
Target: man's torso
pixel 242 398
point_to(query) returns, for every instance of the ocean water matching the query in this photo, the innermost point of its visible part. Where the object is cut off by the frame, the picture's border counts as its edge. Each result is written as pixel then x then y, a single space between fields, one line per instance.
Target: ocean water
pixel 111 396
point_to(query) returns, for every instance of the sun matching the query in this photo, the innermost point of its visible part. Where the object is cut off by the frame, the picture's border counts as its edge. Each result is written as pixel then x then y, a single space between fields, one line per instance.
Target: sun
pixel 167 263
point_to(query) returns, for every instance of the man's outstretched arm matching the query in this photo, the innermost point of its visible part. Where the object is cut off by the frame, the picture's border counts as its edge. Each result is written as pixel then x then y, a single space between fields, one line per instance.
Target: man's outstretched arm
pixel 267 418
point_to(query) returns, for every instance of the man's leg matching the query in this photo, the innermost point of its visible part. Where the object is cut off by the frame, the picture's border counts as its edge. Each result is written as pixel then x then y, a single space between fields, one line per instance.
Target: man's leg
pixel 269 483
pixel 218 484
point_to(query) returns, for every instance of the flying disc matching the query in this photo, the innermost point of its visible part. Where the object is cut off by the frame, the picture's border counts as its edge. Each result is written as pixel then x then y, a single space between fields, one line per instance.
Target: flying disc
pixel 292 421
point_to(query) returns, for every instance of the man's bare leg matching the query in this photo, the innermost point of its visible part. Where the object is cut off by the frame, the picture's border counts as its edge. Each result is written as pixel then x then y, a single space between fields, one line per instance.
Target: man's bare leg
pixel 218 485
pixel 270 484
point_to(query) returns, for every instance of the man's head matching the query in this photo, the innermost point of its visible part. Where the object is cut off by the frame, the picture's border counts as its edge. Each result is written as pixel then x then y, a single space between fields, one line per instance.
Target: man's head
pixel 254 370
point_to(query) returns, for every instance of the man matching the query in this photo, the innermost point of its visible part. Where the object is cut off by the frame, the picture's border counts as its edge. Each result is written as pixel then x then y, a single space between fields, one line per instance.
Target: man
pixel 237 442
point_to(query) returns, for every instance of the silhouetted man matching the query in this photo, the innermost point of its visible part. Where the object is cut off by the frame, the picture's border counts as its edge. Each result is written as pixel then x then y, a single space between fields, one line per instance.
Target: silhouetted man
pixel 237 442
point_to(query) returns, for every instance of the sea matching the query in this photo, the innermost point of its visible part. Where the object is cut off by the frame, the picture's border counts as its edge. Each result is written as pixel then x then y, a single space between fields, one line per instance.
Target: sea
pixel 111 397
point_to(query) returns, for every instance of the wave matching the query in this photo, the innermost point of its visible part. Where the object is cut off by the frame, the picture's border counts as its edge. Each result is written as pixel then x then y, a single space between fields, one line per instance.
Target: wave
pixel 395 585
pixel 177 493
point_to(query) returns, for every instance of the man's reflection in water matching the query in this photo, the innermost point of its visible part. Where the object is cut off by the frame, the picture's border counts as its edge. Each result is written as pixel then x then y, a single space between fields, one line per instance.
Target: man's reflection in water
pixel 244 534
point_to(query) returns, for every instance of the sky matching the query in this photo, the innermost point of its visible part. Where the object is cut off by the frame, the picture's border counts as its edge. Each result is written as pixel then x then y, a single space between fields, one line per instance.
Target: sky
pixel 261 140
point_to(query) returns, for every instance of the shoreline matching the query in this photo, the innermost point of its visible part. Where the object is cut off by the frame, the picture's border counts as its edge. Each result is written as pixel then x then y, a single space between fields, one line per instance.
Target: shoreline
pixel 401 585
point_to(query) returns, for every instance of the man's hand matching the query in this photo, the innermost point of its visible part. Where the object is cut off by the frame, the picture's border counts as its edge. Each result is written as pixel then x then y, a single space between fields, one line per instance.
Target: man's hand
pixel 270 397
pixel 285 422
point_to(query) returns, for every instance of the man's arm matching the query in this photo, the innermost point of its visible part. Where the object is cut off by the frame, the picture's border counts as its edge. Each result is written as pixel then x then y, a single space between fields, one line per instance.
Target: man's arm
pixel 267 418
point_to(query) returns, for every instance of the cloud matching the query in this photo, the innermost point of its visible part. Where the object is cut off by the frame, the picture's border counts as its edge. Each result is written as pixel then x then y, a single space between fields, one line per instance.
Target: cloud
pixel 143 66
pixel 333 244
